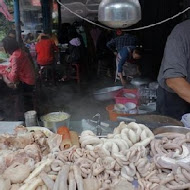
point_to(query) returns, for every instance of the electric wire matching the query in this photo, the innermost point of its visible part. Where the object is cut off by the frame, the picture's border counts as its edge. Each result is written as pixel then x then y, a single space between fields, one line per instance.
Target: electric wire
pixel 132 29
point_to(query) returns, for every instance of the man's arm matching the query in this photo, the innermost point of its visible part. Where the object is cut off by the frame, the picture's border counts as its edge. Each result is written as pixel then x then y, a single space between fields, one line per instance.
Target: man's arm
pixel 180 86
pixel 111 45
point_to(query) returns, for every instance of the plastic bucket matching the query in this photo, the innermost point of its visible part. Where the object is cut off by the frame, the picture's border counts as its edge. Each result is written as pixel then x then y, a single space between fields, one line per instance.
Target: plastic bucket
pixel 30 118
pixel 54 124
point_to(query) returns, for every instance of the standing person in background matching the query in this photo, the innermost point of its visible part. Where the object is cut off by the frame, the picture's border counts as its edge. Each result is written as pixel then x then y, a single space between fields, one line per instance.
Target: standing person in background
pixel 173 95
pixel 75 51
pixel 123 47
pixel 19 73
pixel 127 54
pixel 116 44
pixel 45 49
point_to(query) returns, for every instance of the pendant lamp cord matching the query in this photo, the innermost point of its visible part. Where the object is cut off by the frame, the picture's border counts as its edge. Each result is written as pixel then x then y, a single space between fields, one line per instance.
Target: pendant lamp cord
pixel 132 29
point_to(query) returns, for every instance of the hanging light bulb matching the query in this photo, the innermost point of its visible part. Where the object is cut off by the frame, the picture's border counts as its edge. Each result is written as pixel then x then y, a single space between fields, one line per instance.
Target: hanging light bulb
pixel 119 13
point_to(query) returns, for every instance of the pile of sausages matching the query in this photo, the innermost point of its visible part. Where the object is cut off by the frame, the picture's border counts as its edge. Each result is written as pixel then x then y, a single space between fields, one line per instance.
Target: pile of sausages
pixel 100 163
pixel 130 154
pixel 171 155
pixel 123 153
pixel 123 137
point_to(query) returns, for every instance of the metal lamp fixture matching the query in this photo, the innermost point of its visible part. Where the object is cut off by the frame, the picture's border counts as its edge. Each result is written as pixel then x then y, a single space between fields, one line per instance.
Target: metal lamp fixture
pixel 119 13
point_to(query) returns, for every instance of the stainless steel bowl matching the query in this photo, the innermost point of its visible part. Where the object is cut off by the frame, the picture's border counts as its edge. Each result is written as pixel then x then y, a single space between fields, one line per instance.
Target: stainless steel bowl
pixel 171 129
pixel 108 93
pixel 53 125
pixel 140 81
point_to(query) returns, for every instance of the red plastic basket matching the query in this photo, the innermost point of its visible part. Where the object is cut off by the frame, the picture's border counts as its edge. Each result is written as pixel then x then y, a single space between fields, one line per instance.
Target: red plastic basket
pixel 121 99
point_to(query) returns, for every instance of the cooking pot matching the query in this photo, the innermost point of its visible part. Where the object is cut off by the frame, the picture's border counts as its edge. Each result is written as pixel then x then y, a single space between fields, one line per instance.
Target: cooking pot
pixel 108 93
pixel 54 120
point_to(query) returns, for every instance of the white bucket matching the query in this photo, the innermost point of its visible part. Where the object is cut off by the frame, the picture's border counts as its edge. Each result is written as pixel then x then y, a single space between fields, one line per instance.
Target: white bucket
pixel 30 118
pixel 186 120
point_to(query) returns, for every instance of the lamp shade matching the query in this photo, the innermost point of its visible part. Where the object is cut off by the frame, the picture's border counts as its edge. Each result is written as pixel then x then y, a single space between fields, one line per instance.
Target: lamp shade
pixel 119 13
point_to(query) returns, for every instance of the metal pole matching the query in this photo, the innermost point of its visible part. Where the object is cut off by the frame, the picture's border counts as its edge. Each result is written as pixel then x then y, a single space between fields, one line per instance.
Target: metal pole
pixel 17 21
pixel 59 20
pixel 47 15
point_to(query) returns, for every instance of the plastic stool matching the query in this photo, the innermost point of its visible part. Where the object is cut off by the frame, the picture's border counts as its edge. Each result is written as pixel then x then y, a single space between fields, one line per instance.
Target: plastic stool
pixel 77 70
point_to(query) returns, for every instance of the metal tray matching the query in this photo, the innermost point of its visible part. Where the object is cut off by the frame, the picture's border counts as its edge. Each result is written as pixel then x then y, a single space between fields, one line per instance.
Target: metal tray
pixel 171 129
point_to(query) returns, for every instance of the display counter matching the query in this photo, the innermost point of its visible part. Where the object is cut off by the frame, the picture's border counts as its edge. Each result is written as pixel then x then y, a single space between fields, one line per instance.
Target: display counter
pixel 35 158
pixel 9 126
pixel 105 127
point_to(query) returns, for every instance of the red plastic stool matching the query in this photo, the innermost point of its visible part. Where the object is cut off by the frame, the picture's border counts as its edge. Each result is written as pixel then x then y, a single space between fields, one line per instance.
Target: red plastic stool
pixel 77 72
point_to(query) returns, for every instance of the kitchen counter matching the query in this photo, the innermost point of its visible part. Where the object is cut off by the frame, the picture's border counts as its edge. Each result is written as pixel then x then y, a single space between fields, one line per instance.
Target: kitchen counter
pixel 8 126
pixel 151 121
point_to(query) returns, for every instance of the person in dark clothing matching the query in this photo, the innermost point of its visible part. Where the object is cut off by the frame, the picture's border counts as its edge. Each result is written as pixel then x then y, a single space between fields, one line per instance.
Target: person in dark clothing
pixel 173 95
pixel 75 52
pixel 75 46
pixel 121 41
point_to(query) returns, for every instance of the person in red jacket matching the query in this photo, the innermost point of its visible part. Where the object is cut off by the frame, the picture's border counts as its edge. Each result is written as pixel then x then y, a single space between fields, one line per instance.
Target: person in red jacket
pixel 45 50
pixel 19 73
pixel 20 68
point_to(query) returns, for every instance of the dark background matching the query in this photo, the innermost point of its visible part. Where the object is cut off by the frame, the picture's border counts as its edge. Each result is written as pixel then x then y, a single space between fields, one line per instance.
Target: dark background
pixel 153 39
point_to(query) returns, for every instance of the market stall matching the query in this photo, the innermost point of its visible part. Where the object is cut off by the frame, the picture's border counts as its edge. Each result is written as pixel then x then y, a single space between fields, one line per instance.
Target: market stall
pixel 129 155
